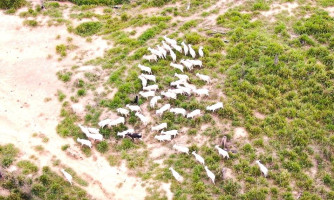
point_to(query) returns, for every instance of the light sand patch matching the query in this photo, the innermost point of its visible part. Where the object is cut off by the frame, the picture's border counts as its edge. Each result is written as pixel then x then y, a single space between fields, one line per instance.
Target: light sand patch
pixel 4 192
pixel 277 8
pixel 27 77
pixel 166 188
pixel 240 133
pixel 330 11
pixel 259 115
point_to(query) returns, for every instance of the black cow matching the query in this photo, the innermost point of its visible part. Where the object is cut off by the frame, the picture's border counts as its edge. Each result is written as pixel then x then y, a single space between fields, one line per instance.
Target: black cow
pixel 134 135
pixel 136 100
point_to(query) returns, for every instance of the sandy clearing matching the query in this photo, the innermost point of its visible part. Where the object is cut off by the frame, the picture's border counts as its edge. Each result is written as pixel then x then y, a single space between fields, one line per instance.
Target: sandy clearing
pixel 277 8
pixel 27 77
pixel 330 11
pixel 240 133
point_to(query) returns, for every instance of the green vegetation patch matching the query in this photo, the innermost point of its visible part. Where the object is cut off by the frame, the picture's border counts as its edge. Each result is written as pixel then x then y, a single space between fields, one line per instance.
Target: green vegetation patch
pixel 15 4
pixel 27 167
pixel 7 154
pixel 88 28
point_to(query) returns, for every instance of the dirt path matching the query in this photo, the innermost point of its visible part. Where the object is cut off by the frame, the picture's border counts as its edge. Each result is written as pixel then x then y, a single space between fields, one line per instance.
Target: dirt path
pixel 27 83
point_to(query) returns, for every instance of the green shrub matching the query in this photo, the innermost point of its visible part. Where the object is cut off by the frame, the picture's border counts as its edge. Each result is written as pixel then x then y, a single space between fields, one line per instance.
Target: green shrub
pixel 88 28
pixel 8 4
pixel 27 166
pixel 32 23
pixel 158 3
pixel 260 5
pixel 193 38
pixel 103 147
pixel 81 92
pixel 7 154
pixel 64 76
pixel 61 49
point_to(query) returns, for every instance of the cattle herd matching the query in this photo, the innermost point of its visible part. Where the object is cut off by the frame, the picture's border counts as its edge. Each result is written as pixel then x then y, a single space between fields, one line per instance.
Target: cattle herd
pixel 178 87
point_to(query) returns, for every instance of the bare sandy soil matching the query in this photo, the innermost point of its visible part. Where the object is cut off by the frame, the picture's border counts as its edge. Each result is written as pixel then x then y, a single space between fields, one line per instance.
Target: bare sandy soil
pixel 27 78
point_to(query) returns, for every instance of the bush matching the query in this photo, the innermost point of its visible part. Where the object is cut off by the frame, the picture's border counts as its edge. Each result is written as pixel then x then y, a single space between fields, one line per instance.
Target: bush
pixel 64 76
pixel 32 23
pixel 102 147
pixel 88 28
pixel 8 4
pixel 193 38
pixel 61 50
pixel 27 166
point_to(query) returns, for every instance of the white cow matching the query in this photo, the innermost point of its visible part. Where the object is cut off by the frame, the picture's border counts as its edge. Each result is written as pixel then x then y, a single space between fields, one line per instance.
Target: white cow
pixel 222 152
pixel 176 175
pixel 166 46
pixel 204 77
pixel 103 123
pixel 142 118
pixel 97 137
pixel 185 48
pixel 67 176
pixel 163 109
pixel 169 95
pixel 176 91
pixel 133 108
pixel 177 66
pixel 155 52
pixel 170 41
pixel 178 82
pixel 182 76
pixel 154 101
pixel 200 51
pixel 143 81
pixel 145 69
pixel 149 77
pixel 263 169
pixel 199 158
pixel 94 130
pixel 123 111
pixel 163 137
pixel 159 127
pixel 163 51
pixel 181 111
pixel 215 106
pixel 192 52
pixel 194 113
pixel 187 64
pixel 173 55
pixel 147 94
pixel 177 48
pixel 123 133
pixel 151 87
pixel 120 120
pixel 195 62
pixel 150 58
pixel 84 129
pixel 171 133
pixel 84 142
pixel 181 148
pixel 201 92
pixel 184 89
pixel 210 174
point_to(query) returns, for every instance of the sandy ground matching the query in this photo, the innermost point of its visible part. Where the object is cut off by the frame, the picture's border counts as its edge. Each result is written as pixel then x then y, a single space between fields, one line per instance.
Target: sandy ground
pixel 27 78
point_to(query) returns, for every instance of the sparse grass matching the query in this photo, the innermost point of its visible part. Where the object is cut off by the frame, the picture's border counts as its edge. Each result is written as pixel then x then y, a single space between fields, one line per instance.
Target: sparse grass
pixel 31 23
